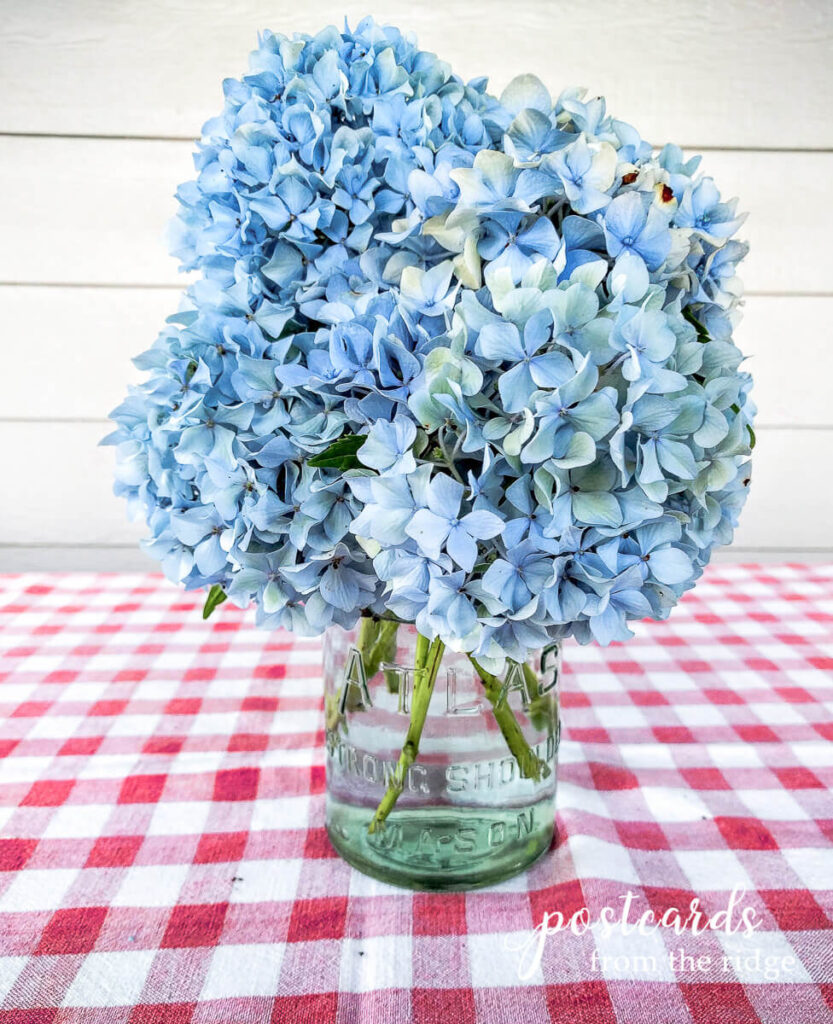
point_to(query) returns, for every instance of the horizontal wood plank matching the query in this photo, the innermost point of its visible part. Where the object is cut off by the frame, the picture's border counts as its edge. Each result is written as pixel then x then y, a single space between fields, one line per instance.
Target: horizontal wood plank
pixel 788 342
pixel 788 240
pixel 57 488
pixel 101 219
pixel 747 73
pixel 71 356
pixel 75 360
pixel 89 211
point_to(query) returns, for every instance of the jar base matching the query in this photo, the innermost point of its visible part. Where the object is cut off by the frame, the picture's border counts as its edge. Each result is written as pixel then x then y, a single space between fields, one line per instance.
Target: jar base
pixel 443 848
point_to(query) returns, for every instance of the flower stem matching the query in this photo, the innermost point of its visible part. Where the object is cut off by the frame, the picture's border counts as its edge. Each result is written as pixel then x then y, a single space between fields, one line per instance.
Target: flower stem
pixel 385 651
pixel 376 643
pixel 448 459
pixel 531 766
pixel 368 631
pixel 426 665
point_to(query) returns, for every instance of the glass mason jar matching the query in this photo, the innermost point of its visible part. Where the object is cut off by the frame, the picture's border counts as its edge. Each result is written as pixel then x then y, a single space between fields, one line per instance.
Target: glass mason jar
pixel 472 800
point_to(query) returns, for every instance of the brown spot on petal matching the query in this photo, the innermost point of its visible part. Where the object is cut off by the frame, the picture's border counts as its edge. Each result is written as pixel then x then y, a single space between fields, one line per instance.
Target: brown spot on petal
pixel 667 194
pixel 630 177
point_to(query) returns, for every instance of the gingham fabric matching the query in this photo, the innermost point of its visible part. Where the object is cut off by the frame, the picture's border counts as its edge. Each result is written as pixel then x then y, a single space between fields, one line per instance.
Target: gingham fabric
pixel 164 859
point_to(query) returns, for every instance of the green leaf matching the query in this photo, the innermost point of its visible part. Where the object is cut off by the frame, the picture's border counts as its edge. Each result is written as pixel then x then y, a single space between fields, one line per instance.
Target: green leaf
pixel 702 333
pixel 341 454
pixel 216 596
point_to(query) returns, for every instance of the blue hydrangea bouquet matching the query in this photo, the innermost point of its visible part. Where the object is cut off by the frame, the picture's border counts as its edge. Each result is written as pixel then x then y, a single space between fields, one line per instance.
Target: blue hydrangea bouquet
pixel 452 360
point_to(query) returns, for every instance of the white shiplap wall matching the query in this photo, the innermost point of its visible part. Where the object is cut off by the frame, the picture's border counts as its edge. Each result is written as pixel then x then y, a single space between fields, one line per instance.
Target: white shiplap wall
pixel 99 102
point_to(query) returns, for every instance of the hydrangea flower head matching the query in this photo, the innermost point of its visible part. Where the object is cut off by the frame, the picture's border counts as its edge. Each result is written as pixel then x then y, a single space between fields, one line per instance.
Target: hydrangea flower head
pixel 459 359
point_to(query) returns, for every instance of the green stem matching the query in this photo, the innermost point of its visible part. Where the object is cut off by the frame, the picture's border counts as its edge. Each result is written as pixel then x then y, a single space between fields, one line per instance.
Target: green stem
pixel 368 631
pixel 448 459
pixel 368 628
pixel 426 665
pixel 531 681
pixel 376 643
pixel 531 766
pixel 384 651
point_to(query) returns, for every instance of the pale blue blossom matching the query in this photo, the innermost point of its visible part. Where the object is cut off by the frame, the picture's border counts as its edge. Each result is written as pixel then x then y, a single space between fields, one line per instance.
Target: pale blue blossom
pixel 574 408
pixel 459 359
pixel 519 577
pixel 632 224
pixel 388 446
pixel 441 526
pixel 586 173
pixel 528 371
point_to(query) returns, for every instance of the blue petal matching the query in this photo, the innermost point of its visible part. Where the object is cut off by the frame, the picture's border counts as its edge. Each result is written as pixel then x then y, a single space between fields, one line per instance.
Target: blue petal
pixel 445 495
pixel 516 387
pixel 461 547
pixel 623 218
pixel 670 565
pixel 482 524
pixel 526 92
pixel 501 342
pixel 428 530
pixel 461 617
pixel 597 509
pixel 338 588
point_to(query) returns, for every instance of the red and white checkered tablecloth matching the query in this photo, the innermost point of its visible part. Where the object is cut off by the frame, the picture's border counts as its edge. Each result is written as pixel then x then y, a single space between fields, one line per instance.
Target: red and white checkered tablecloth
pixel 163 858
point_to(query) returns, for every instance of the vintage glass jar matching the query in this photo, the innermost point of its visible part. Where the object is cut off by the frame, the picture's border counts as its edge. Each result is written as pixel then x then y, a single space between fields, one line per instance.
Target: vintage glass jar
pixel 477 803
